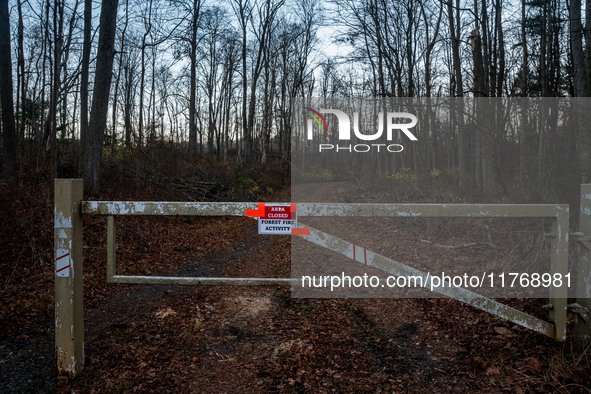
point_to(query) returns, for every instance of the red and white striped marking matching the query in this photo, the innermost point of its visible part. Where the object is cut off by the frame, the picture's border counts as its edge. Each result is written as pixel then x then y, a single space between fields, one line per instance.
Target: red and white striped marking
pixel 360 254
pixel 62 263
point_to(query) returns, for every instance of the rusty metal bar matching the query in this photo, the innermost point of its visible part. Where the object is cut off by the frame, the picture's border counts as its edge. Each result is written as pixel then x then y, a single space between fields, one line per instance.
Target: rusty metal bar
pixel 583 321
pixel 69 307
pixel 396 268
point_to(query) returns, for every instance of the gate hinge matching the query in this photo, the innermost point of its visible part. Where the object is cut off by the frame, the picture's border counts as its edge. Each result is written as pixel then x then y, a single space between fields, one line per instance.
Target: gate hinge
pixel 581 239
pixel 578 310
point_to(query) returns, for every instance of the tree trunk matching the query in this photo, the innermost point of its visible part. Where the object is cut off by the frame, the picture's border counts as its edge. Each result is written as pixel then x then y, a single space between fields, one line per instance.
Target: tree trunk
pixel 430 44
pixel 243 20
pixel 128 71
pixel 524 92
pixel 45 44
pixel 479 81
pixel 480 90
pixel 58 20
pixel 141 104
pixel 8 122
pixel 525 65
pixel 193 87
pixel 543 50
pixel 588 43
pixel 23 86
pixel 500 36
pixel 100 98
pixel 576 43
pixel 485 39
pixel 458 91
pixel 116 94
pixel 84 85
pixel 114 111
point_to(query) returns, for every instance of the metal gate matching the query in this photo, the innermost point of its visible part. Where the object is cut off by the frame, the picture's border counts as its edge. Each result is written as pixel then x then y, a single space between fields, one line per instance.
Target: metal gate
pixel 69 208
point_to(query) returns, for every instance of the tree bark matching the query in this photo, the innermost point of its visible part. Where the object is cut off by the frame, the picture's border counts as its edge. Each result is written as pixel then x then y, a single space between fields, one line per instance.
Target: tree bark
pixel 116 93
pixel 142 82
pixel 576 42
pixel 193 87
pixel 525 65
pixel 500 36
pixel 543 50
pixel 458 91
pixel 23 87
pixel 58 39
pixel 588 43
pixel 8 122
pixel 242 9
pixel 100 99
pixel 128 71
pixel 84 84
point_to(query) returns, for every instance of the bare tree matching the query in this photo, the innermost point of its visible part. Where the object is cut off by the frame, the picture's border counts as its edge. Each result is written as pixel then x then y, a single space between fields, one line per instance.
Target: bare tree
pixel 58 41
pixel 86 46
pixel 148 28
pixel 457 86
pixel 100 98
pixel 213 21
pixel 8 123
pixel 117 81
pixel 243 11
pixel 22 81
pixel 430 44
pixel 129 77
pixel 588 43
pixel 195 13
pixel 576 43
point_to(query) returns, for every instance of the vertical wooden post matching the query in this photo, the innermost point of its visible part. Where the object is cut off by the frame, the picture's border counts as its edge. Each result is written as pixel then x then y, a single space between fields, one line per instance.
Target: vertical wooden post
pixel 559 265
pixel 583 328
pixel 69 308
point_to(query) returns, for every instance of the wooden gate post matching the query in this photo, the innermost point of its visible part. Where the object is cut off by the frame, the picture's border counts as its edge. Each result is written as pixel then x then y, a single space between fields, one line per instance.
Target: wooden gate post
pixel 559 265
pixel 69 308
pixel 583 326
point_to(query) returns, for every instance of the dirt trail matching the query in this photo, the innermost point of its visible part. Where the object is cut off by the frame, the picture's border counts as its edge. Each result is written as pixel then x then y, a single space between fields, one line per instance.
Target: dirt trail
pixel 315 192
pixel 27 364
pixel 168 339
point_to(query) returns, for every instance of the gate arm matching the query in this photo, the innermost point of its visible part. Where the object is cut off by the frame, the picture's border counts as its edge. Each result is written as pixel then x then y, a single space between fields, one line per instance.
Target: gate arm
pixel 396 268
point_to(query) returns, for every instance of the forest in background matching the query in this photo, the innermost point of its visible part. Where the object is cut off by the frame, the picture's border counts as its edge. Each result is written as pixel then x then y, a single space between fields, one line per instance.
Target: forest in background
pixel 132 82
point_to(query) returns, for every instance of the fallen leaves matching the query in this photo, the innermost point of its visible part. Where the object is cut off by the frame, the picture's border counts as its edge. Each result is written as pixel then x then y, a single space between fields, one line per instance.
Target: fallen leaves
pixel 228 339
pixel 533 365
pixel 504 332
pixel 165 313
pixel 493 371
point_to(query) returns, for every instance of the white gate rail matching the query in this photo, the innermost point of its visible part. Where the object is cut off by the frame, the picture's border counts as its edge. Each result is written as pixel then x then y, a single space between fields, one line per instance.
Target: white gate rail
pixel 396 268
pixel 558 213
pixel 69 208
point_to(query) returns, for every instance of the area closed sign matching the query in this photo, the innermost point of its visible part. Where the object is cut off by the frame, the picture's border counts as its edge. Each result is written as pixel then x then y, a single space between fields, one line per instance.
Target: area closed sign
pixel 277 219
